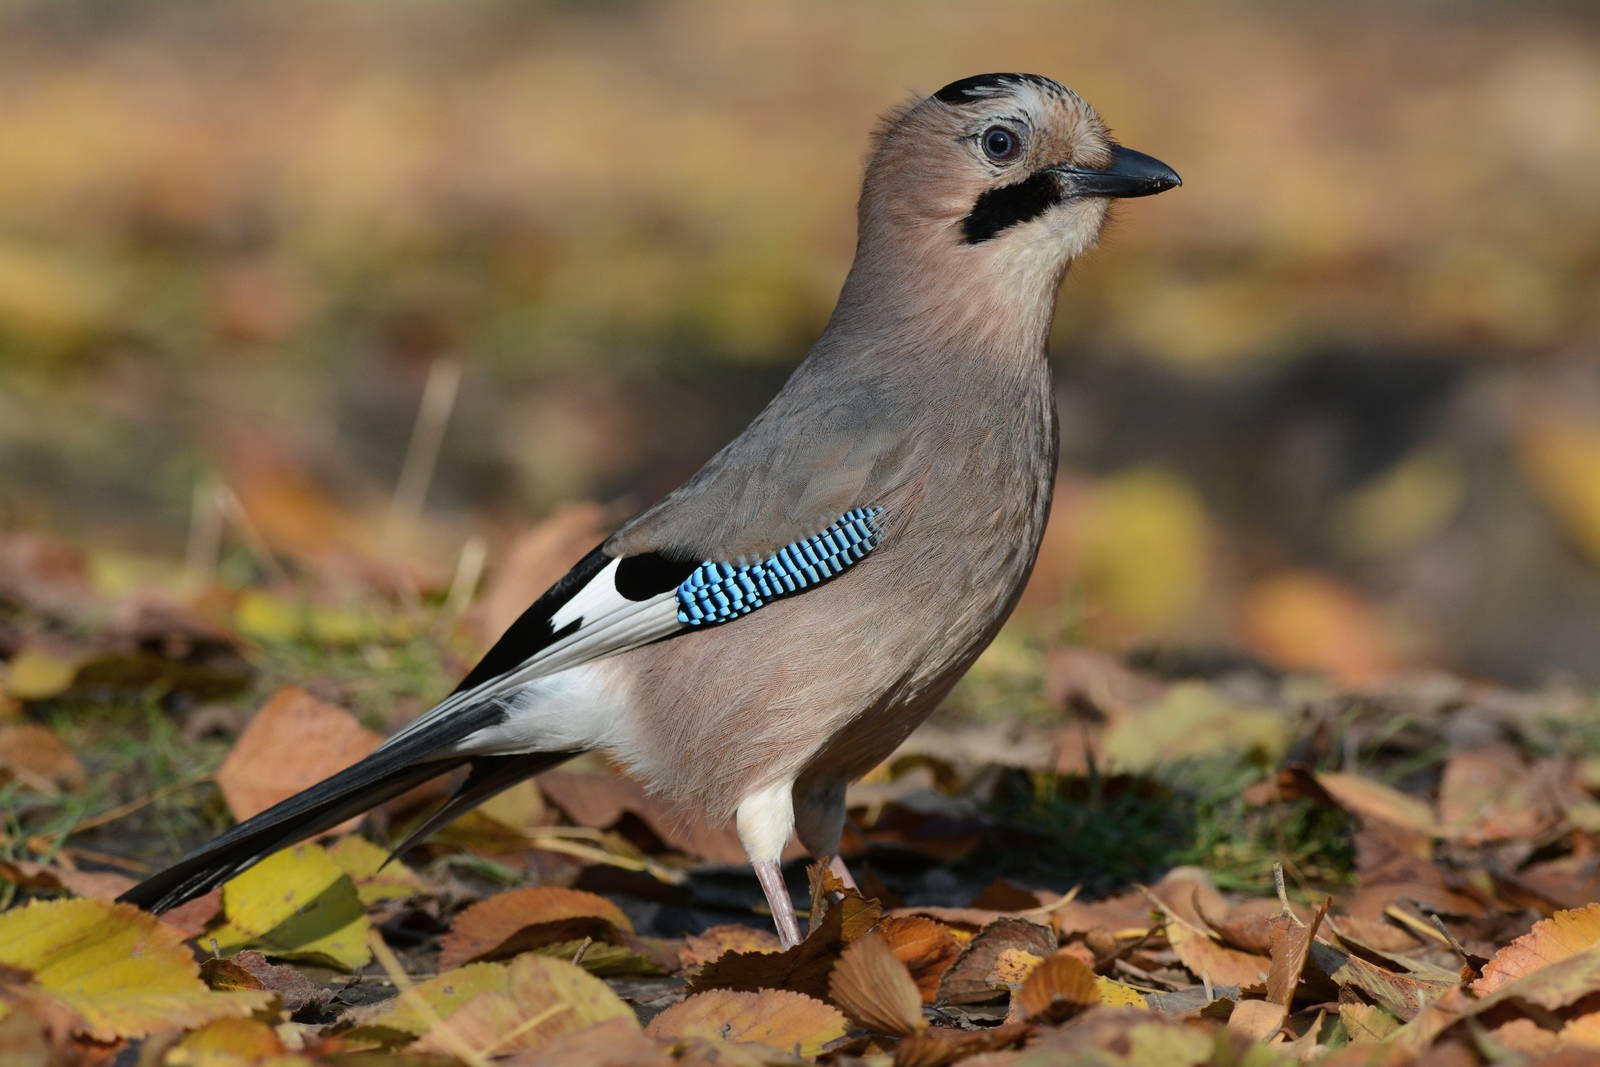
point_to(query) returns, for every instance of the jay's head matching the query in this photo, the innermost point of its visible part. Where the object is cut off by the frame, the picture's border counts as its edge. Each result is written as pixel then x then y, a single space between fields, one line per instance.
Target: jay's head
pixel 1008 173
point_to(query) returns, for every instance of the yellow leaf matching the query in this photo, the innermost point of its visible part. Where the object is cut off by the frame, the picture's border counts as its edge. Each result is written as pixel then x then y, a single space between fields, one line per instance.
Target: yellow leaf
pixel 38 673
pixel 1115 994
pixel 375 875
pixel 298 904
pixel 123 972
pixel 493 1008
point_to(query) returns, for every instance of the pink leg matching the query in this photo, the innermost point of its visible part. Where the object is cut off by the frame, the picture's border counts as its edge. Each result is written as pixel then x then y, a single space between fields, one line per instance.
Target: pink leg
pixel 842 872
pixel 783 917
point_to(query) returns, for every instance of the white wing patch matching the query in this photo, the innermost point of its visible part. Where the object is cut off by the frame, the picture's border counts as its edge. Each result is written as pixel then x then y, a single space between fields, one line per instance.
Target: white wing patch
pixel 608 623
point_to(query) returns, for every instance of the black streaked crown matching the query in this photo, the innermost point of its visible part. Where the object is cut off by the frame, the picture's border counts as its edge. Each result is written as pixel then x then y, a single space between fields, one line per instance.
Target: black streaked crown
pixel 980 86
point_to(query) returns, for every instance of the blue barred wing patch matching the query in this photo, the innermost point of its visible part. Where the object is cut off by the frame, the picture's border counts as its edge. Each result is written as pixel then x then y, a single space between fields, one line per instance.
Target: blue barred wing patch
pixel 716 592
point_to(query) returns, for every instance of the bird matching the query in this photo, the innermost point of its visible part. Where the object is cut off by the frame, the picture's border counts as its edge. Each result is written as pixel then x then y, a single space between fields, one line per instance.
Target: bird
pixel 773 628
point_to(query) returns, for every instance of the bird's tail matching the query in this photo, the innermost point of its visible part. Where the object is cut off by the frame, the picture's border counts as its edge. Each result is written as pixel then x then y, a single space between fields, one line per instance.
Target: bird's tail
pixel 385 774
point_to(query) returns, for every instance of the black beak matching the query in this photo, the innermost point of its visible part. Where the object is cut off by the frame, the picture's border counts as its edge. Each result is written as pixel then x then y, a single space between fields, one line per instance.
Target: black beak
pixel 1130 174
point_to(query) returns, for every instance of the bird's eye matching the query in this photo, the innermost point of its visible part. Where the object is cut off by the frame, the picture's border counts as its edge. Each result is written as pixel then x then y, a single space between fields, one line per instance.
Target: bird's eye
pixel 1001 145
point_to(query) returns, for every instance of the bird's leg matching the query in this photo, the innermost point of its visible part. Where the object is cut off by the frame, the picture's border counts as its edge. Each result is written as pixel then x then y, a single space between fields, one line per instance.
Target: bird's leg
pixel 840 871
pixel 770 875
pixel 765 820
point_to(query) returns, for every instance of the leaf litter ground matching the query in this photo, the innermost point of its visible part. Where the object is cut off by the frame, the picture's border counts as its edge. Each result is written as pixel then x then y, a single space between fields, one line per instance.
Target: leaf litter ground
pixel 1166 866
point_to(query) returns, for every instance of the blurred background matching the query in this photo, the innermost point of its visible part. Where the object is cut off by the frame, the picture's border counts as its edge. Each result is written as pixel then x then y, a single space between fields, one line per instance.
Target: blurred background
pixel 365 300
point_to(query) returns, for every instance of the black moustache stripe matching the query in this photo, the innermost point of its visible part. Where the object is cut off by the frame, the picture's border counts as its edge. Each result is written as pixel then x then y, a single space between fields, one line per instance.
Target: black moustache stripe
pixel 1002 208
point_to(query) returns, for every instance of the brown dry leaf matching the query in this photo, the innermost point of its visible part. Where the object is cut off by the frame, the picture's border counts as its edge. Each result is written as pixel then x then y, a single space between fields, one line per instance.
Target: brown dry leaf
pixel 805 968
pixel 790 1022
pixel 102 885
pixel 1489 794
pixel 293 742
pixel 926 948
pixel 1368 799
pixel 1257 1020
pixel 971 978
pixel 1564 934
pixel 1248 925
pixel 874 988
pixel 513 922
pixel 34 758
pixel 613 1043
pixel 192 917
pixel 250 970
pixel 1291 947
pixel 1189 893
pixel 1213 962
pixel 1401 995
pixel 1059 988
pixel 715 942
pixel 973 1048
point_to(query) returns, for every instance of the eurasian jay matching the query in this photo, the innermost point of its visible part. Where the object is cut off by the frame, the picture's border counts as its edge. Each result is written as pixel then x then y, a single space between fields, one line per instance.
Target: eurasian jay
pixel 776 626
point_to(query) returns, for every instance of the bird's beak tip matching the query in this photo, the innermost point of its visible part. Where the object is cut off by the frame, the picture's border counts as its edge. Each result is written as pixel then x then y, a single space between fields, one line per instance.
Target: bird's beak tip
pixel 1129 174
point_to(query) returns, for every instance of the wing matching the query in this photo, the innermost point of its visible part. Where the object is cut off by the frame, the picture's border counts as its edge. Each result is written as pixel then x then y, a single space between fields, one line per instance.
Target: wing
pixel 608 604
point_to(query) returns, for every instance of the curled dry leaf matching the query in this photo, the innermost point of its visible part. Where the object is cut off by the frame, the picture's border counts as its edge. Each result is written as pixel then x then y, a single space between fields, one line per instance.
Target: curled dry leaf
pixel 251 970
pixel 1401 995
pixel 789 1022
pixel 927 948
pixel 805 968
pixel 1058 988
pixel 117 968
pixel 874 988
pixel 293 742
pixel 972 977
pixel 522 919
pixel 1564 934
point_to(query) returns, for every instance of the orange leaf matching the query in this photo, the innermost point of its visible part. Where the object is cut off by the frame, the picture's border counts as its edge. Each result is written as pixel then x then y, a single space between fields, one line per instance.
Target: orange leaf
pixel 522 919
pixel 1374 800
pixel 1488 794
pixel 875 989
pixel 926 948
pixel 36 759
pixel 1212 962
pixel 790 1022
pixel 1564 934
pixel 294 741
pixel 700 949
pixel 1058 988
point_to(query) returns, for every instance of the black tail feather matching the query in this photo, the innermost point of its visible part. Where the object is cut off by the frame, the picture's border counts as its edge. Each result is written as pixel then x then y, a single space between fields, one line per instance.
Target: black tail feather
pixel 489 775
pixel 382 776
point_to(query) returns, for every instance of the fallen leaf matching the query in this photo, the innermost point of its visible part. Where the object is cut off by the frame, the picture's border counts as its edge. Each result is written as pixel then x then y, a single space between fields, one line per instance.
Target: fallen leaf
pixel 251 970
pixel 717 941
pixel 1213 962
pixel 971 978
pixel 119 969
pixel 805 968
pixel 543 998
pixel 1257 1020
pixel 297 904
pixel 1368 799
pixel 521 919
pixel 1058 988
pixel 496 1008
pixel 1564 934
pixel 1290 948
pixel 102 885
pixel 927 948
pixel 39 672
pixel 36 759
pixel 226 1041
pixel 1401 995
pixel 612 1043
pixel 874 988
pixel 1489 794
pixel 377 877
pixel 294 742
pixel 789 1022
